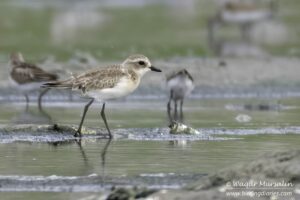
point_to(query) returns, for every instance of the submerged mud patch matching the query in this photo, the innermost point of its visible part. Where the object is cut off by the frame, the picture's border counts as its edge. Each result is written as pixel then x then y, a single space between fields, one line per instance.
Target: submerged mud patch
pixel 50 133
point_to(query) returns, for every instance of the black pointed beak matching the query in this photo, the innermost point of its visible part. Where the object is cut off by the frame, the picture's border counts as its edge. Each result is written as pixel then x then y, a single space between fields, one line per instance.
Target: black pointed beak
pixel 155 69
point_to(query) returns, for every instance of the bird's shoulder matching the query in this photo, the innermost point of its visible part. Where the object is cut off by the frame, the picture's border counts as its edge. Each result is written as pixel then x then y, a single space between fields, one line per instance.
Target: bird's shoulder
pixel 103 72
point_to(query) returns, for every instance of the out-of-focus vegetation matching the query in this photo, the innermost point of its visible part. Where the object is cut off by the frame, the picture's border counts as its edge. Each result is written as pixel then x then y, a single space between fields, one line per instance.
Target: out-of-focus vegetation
pixel 156 30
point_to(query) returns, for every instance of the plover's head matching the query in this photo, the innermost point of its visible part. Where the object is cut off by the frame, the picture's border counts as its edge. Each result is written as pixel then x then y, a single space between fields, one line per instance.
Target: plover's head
pixel 140 64
pixel 16 58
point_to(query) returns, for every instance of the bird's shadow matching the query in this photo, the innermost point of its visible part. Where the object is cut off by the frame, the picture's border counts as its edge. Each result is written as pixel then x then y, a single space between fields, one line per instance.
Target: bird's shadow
pixel 29 116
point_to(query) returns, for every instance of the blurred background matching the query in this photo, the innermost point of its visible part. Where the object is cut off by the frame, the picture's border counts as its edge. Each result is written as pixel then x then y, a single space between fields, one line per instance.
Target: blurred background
pixel 113 29
pixel 256 41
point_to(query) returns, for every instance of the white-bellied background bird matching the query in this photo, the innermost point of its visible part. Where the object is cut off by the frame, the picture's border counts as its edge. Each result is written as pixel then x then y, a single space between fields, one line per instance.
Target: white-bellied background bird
pixel 179 85
pixel 28 77
pixel 107 83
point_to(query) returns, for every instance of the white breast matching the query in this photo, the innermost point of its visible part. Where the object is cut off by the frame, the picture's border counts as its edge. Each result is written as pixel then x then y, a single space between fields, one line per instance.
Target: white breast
pixel 124 87
pixel 180 86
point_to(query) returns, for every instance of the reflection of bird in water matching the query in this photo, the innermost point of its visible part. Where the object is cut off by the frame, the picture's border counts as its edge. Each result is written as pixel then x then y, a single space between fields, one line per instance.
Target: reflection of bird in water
pixel 28 77
pixel 71 142
pixel 103 159
pixel 30 117
pixel 78 141
pixel 179 84
pixel 107 83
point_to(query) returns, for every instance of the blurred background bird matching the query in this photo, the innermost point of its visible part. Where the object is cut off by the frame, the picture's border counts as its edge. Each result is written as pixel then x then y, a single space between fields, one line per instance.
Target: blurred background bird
pixel 179 84
pixel 28 77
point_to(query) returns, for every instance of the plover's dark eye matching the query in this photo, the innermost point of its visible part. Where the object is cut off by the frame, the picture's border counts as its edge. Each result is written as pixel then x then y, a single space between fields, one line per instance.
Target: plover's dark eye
pixel 141 63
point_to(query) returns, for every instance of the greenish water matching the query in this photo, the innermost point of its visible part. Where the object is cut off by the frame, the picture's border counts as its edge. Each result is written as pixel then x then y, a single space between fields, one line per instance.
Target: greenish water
pixel 206 113
pixel 128 159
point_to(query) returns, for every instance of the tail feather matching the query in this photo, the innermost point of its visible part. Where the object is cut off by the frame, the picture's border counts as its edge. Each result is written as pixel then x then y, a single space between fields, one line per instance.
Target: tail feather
pixel 58 84
pixel 46 77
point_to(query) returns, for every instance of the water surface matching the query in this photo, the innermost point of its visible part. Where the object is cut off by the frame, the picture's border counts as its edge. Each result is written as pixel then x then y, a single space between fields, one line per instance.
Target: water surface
pixel 153 163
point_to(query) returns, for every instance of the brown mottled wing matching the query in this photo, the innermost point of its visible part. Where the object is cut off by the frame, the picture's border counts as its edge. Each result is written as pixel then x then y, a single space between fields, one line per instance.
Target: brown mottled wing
pixel 98 79
pixel 28 73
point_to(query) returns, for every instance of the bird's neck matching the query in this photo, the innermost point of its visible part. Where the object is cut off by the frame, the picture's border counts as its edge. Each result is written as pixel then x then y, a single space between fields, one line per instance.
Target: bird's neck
pixel 134 76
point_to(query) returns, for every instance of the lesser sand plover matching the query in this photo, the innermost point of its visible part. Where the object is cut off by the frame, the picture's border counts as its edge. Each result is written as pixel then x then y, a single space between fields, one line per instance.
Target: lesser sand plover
pixel 180 84
pixel 28 77
pixel 107 83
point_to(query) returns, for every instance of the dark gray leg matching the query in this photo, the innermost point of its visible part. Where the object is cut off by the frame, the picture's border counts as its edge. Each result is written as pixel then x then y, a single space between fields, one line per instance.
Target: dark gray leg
pixel 40 97
pixel 175 111
pixel 169 106
pixel 27 101
pixel 86 107
pixel 181 103
pixel 104 119
pixel 181 113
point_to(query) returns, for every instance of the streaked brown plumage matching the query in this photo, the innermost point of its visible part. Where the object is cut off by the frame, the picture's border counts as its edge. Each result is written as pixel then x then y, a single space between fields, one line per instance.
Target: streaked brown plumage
pixel 23 72
pixel 95 79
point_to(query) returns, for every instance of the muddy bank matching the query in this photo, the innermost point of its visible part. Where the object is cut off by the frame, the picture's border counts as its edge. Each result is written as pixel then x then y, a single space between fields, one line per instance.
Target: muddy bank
pixel 260 179
pixel 64 133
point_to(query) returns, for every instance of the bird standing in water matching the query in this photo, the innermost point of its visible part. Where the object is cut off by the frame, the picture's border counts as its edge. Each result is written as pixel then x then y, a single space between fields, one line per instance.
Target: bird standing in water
pixel 107 83
pixel 179 84
pixel 28 77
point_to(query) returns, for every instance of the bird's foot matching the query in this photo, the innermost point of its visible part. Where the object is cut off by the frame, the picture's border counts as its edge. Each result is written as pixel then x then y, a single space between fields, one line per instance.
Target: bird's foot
pixel 77 134
pixel 110 136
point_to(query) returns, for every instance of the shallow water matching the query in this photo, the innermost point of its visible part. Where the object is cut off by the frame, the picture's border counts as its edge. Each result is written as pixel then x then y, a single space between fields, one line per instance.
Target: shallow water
pixel 140 159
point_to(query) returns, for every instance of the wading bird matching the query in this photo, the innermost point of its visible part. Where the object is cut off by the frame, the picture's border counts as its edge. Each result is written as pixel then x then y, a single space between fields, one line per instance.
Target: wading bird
pixel 28 77
pixel 107 83
pixel 179 84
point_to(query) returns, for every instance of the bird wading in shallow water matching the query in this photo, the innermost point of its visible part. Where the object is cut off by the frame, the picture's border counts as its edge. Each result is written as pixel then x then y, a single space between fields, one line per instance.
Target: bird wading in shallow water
pixel 28 77
pixel 107 83
pixel 179 84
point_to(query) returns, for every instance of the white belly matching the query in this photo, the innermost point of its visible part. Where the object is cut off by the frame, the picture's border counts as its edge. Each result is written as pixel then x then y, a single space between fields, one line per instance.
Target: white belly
pixel 181 87
pixel 123 88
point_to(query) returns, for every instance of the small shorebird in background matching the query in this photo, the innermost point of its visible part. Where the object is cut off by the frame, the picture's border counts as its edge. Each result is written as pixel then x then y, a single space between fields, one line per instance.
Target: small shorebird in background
pixel 107 83
pixel 179 84
pixel 29 77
